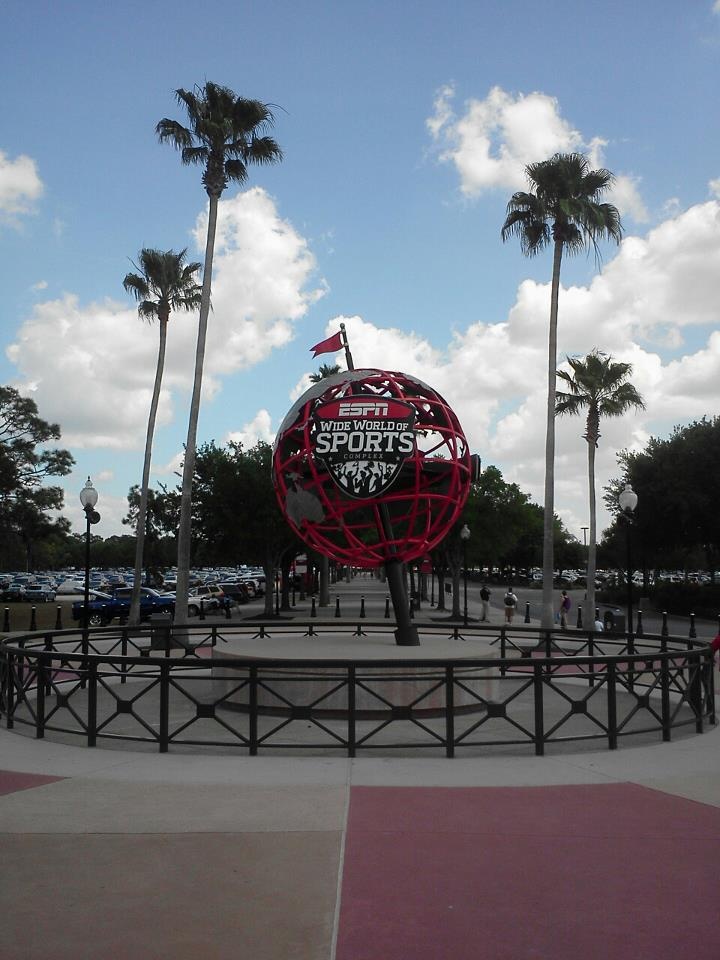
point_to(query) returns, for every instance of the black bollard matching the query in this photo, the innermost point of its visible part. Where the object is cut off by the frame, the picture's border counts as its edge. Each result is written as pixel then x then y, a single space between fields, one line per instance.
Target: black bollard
pixel 579 617
pixel 387 608
pixel 597 613
pixel 664 632
pixel 228 615
pixel 640 632
pixel 693 631
pixel 6 620
pixel 58 619
pixel 362 608
pixel 202 609
pixel 411 608
pixel 527 612
pixel 33 618
pixel 337 606
pixel 313 609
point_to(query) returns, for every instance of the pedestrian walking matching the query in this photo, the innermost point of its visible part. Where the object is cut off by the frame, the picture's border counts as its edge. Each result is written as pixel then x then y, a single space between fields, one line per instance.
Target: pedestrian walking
pixel 484 602
pixel 510 601
pixel 715 646
pixel 565 604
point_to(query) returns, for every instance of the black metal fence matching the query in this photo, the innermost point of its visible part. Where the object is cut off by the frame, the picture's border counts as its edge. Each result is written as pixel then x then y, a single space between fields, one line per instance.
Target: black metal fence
pixel 168 689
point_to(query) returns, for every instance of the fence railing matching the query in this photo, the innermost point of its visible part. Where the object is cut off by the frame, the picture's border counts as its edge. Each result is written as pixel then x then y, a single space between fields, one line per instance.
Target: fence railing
pixel 168 689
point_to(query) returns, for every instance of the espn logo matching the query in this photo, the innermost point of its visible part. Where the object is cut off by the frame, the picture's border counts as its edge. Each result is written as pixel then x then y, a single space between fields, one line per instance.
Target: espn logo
pixel 363 408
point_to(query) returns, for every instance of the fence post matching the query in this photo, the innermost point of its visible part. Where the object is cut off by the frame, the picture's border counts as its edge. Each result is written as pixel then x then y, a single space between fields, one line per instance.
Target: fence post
pixel 91 667
pixel 665 693
pixel 612 704
pixel 449 711
pixel 40 700
pixel 253 718
pixel 695 690
pixel 539 712
pixel 164 729
pixel 351 710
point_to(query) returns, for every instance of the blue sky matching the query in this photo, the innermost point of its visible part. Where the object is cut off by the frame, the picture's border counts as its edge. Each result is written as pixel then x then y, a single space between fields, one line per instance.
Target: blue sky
pixel 405 128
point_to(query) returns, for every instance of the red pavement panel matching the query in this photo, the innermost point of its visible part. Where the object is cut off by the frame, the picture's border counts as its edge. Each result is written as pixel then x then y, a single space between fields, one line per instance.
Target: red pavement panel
pixel 602 872
pixel 11 781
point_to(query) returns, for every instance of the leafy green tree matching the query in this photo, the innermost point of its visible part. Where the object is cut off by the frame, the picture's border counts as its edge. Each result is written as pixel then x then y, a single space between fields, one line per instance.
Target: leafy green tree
pixel 599 385
pixel 562 209
pixel 676 482
pixel 25 463
pixel 164 282
pixel 238 512
pixel 225 135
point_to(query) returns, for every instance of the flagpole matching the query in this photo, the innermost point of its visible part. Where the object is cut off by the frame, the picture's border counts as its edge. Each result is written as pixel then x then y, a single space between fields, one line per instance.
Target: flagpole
pixel 346 345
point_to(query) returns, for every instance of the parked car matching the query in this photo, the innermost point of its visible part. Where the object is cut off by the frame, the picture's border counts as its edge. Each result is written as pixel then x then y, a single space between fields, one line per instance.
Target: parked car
pixel 38 593
pixel 14 591
pixel 237 592
pixel 104 608
pixel 70 587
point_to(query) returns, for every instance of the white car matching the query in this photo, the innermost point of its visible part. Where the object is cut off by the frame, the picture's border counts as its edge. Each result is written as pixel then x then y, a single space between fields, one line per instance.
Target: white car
pixel 70 586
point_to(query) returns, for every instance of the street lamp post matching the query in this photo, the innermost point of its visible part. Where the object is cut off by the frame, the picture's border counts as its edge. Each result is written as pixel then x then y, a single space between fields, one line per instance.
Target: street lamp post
pixel 628 502
pixel 465 536
pixel 88 499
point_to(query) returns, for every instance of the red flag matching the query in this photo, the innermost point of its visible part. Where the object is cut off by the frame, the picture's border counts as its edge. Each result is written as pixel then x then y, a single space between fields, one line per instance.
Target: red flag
pixel 331 345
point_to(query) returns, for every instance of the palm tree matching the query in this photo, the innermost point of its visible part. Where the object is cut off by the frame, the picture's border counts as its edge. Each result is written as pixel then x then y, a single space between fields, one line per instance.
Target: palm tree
pixel 325 370
pixel 164 282
pixel 564 210
pixel 599 385
pixel 225 134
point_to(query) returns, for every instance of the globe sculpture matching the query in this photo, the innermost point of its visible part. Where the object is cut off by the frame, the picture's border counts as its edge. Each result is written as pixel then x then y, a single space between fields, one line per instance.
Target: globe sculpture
pixel 371 468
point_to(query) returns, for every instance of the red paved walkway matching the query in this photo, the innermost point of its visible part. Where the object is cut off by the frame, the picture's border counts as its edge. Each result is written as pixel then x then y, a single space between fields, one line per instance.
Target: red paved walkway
pixel 602 872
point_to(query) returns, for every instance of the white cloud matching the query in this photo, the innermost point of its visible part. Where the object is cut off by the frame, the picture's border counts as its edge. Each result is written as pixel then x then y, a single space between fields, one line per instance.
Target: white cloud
pixel 20 187
pixel 494 140
pixel 259 428
pixel 40 285
pixel 112 509
pixel 495 375
pixel 93 365
pixel 716 6
pixel 714 185
pixel 261 273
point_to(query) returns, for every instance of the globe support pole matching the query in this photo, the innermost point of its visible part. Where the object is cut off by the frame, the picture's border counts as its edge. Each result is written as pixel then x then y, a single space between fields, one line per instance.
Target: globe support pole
pixel 406 634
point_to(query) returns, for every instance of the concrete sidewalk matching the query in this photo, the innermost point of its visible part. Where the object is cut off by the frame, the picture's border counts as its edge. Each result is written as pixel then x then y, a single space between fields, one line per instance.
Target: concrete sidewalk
pixel 122 854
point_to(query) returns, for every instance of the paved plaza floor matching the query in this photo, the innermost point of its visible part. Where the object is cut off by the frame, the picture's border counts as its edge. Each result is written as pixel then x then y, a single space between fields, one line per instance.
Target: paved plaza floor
pixel 592 855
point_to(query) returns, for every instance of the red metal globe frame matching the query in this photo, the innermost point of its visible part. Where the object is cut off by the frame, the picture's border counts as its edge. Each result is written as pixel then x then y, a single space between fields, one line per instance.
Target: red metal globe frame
pixel 422 504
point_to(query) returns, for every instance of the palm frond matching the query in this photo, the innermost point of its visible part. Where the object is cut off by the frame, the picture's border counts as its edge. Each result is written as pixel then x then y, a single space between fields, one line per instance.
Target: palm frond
pixel 173 132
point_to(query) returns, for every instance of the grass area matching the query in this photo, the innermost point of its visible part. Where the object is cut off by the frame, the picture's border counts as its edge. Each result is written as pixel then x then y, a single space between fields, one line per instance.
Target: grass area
pixel 19 616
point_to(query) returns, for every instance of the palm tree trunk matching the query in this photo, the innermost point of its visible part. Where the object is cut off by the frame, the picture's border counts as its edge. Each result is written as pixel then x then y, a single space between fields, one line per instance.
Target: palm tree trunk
pixel 134 616
pixel 589 611
pixel 549 507
pixel 185 526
